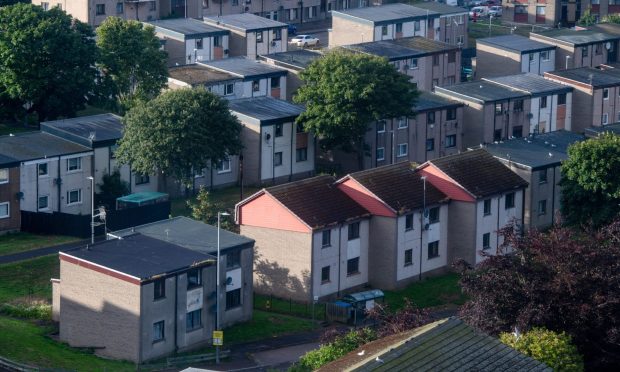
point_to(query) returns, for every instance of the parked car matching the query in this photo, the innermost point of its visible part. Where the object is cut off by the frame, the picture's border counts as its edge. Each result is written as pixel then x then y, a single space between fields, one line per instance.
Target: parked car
pixel 478 12
pixel 292 29
pixel 495 11
pixel 305 41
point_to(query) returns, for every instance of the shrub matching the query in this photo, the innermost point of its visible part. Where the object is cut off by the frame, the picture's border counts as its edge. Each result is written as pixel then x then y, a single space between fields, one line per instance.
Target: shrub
pixel 35 310
pixel 554 349
pixel 341 346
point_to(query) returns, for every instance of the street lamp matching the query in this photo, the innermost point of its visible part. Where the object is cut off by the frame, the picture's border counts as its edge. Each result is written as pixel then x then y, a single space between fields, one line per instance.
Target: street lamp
pixel 100 215
pixel 217 283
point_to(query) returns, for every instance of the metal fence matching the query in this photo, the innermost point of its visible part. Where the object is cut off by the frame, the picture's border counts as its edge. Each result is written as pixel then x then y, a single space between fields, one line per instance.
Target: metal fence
pixel 274 304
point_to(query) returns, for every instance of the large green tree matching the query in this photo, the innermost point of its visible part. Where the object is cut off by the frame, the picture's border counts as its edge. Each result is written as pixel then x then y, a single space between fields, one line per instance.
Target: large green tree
pixel 179 132
pixel 344 92
pixel 47 60
pixel 131 62
pixel 591 181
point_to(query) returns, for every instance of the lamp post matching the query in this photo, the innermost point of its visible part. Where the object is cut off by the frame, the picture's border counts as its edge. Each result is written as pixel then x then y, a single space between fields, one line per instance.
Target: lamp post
pixel 566 65
pixel 92 209
pixel 217 283
pixel 423 178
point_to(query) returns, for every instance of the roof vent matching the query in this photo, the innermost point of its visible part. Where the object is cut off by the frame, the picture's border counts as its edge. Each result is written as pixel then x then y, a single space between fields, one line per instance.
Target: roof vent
pixel 91 136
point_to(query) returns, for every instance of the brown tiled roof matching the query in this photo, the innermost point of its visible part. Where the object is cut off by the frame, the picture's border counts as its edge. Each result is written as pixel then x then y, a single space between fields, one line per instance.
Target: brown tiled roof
pixel 479 173
pixel 317 201
pixel 399 186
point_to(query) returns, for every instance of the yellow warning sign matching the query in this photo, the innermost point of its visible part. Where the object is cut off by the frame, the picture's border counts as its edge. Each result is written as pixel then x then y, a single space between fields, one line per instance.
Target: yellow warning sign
pixel 218 338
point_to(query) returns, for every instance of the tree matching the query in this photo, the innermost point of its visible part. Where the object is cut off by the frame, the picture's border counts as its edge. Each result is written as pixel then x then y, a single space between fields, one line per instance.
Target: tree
pixel 132 63
pixel 179 132
pixel 554 349
pixel 563 280
pixel 345 92
pixel 389 323
pixel 205 209
pixel 112 187
pixel 47 60
pixel 587 18
pixel 591 181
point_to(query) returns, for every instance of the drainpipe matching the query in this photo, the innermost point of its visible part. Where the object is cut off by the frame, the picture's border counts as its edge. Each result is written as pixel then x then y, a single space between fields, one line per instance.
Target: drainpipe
pixel 312 271
pixel 339 256
pixel 422 226
pixel 59 184
pixel 553 198
pixel 36 174
pixel 499 199
pixel 293 156
pixel 176 304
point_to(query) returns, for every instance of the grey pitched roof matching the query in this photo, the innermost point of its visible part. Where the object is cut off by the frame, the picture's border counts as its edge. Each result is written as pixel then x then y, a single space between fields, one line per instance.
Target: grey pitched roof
pixel 515 43
pixel 36 145
pixel 191 234
pixel 575 37
pixel 481 91
pixel 531 83
pixel 441 8
pixel 244 67
pixel 244 22
pixel 186 28
pixel 141 256
pixel 449 344
pixel 92 131
pixel 588 76
pixel 383 14
pixel 428 101
pixel 199 74
pixel 410 47
pixel 537 151
pixel 596 131
pixel 295 59
pixel 265 110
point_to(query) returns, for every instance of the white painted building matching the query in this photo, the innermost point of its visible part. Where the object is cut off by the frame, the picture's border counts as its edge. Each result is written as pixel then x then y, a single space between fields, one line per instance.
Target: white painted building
pixel 512 54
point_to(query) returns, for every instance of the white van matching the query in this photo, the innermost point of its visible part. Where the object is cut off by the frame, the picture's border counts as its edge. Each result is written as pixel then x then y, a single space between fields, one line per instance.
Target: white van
pixel 479 11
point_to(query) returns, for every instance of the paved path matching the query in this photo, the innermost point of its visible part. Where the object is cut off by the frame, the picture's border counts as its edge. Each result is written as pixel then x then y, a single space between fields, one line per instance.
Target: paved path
pixel 10 258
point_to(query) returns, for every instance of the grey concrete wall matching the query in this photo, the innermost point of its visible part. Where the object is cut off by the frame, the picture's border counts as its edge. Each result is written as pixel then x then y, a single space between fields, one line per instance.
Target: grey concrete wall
pixel 493 62
pixel 382 252
pixel 462 232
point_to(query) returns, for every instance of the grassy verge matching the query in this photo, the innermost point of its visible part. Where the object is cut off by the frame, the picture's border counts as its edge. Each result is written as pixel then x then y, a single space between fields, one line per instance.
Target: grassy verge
pixel 21 242
pixel 227 198
pixel 277 305
pixel 30 278
pixel 431 292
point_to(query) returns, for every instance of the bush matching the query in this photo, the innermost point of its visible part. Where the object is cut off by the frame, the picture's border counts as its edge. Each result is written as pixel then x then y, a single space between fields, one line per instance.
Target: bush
pixel 554 349
pixel 35 310
pixel 341 346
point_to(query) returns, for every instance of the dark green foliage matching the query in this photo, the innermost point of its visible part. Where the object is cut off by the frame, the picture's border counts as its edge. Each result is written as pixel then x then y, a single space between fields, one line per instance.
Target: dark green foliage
pixel 205 209
pixel 112 187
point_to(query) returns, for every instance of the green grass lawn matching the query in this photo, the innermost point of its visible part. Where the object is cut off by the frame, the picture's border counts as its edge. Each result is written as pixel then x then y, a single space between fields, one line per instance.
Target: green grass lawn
pixel 227 198
pixel 21 242
pixel 281 306
pixel 431 292
pixel 91 110
pixel 28 278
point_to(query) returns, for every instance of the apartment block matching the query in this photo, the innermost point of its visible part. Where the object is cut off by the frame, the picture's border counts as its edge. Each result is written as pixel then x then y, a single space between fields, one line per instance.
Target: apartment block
pixel 512 54
pixel 283 11
pixel 429 63
pixel 294 61
pixel 453 26
pixel 10 215
pixel 544 12
pixel 188 40
pixel 252 35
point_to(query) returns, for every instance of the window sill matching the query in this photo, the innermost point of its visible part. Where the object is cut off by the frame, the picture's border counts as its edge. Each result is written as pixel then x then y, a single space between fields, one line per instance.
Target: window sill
pixel 401 156
pixel 224 172
pixel 71 204
pixel 403 127
pixel 433 257
pixel 326 246
pixel 159 299
pixel 193 329
pixel 3 217
pixel 233 307
pixel 159 341
pixel 353 274
pixel 143 183
pixel 408 264
pixel 380 159
pixel 74 171
pixel 408 229
pixel 326 282
pixel 189 288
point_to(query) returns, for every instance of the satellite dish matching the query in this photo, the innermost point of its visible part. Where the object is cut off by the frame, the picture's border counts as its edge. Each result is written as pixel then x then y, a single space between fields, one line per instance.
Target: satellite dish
pixel 608 45
pixel 229 281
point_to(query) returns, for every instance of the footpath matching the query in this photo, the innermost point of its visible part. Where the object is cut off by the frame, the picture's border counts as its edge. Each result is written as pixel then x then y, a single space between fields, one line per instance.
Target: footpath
pixel 10 258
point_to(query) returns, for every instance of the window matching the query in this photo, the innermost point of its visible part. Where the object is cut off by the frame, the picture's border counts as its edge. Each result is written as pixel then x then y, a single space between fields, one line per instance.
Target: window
pixel 194 278
pixel 279 130
pixel 498 109
pixel 235 2
pixel 277 159
pixel 325 274
pixel 542 176
pixel 402 149
pixel 381 126
pixel 402 123
pixel 353 266
pixel 605 118
pixel 542 207
pixel 584 51
pixel 233 299
pixel 451 57
pixel 159 289
pixel 543 102
pixel 416 26
pixel 4 210
pixel 326 238
pixel 451 114
pixel 198 43
pixel 4 175
pixel 540 11
pixel 531 55
pixel 435 82
pixel 255 86
pixel 459 39
pixel 544 55
pixel 433 215
pixel 142 179
pixel 277 34
pixel 193 321
pixel 562 99
pixel 414 63
pixel 433 249
pixel 399 27
pixel 598 49
pixel 259 37
pixel 74 196
pixel 380 153
pixel 119 8
pixel 497 135
pixel 518 105
pixel 408 257
pixel 451 141
pixel 486 241
pixel 430 144
pixel 430 117
pixel 487 207
pixel 100 9
pixel 606 93
pixel 223 166
pixel 229 89
pixel 517 131
pixel 42 203
pixel 509 202
pixel 436 60
pixel 45 5
pixel 409 222
pixel 74 164
pixel 153 6
pixel 354 230
pixel 217 41
pixel 112 151
pixel 384 31
pixel 158 331
pixel 301 154
pixel 275 83
pixel 233 259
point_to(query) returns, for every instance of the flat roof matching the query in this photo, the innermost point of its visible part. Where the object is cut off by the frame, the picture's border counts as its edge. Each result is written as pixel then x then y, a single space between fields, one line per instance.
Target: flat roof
pixel 140 197
pixel 428 101
pixel 190 234
pixel 589 76
pixel 576 37
pixel 198 74
pixel 92 131
pixel 441 8
pixel 383 14
pixel 186 28
pixel 536 151
pixel 265 110
pixel 244 67
pixel 531 83
pixel 481 91
pixel 36 145
pixel 596 131
pixel 515 43
pixel 410 47
pixel 141 257
pixel 244 22
pixel 295 59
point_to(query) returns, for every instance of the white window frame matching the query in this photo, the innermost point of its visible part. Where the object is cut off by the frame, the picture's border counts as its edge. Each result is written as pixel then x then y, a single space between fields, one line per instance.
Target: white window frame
pixel 79 165
pixel 4 179
pixel 79 191
pixel 47 206
pixel 8 210
pixel 382 124
pixel 400 154
pixel 47 170
pixel 546 53
pixel 382 153
pixel 224 169
pixel 232 90
pixel 403 123
pixel 605 90
pixel 605 120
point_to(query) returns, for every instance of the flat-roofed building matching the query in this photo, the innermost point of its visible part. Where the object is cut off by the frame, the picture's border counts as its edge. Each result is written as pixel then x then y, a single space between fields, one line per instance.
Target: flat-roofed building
pixel 453 26
pixel 294 61
pixel 512 54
